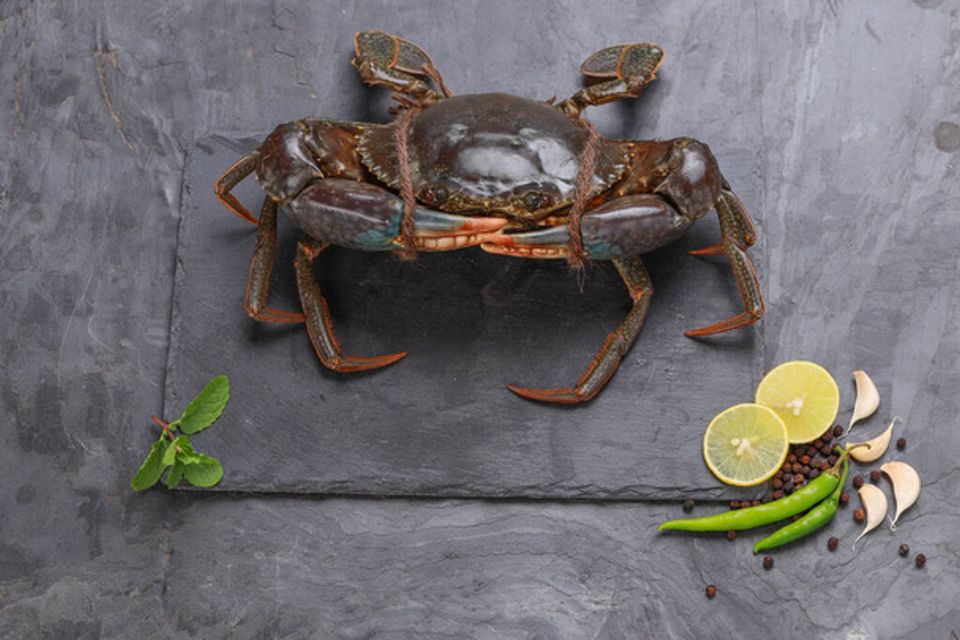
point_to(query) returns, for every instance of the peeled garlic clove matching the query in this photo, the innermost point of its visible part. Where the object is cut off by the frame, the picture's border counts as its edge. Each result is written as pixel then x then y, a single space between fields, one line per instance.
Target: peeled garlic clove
pixel 875 504
pixel 875 448
pixel 868 398
pixel 906 486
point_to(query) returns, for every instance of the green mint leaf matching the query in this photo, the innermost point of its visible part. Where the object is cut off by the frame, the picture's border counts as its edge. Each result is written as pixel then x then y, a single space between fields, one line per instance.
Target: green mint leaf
pixel 184 448
pixel 204 410
pixel 152 468
pixel 176 472
pixel 170 455
pixel 202 470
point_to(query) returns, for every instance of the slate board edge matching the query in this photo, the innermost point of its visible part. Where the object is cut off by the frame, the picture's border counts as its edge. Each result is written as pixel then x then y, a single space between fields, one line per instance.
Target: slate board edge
pixel 561 493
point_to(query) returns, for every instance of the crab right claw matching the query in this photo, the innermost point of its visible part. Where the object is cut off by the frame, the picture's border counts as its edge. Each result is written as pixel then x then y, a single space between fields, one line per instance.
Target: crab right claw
pixel 627 226
pixel 358 215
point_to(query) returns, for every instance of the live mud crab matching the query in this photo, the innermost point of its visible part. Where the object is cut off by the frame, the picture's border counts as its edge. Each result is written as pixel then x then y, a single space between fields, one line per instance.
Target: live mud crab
pixel 512 175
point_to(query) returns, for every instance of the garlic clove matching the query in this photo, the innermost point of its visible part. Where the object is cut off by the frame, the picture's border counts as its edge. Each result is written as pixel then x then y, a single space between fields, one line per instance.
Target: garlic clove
pixel 875 448
pixel 868 398
pixel 906 486
pixel 875 504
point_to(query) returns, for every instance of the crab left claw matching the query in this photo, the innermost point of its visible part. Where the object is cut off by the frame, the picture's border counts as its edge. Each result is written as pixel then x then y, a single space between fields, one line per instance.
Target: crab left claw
pixel 627 226
pixel 362 216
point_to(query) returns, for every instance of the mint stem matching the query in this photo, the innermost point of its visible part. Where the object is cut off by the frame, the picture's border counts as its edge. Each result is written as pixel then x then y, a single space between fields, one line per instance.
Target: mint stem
pixel 166 427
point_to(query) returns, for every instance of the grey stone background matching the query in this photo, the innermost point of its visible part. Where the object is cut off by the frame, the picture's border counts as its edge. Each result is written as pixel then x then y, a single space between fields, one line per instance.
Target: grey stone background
pixel 853 108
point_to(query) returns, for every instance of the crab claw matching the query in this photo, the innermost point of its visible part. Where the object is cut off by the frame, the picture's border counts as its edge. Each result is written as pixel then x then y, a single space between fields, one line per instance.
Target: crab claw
pixel 363 216
pixel 436 231
pixel 550 242
pixel 630 225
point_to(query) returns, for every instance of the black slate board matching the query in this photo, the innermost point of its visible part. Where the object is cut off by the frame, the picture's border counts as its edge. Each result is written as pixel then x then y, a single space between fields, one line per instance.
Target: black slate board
pixel 441 422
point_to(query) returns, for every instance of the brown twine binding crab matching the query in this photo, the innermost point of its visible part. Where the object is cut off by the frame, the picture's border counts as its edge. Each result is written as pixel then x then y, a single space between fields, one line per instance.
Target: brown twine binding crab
pixel 511 175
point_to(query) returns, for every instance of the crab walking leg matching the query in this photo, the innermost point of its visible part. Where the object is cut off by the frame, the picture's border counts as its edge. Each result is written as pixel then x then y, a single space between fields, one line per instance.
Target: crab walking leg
pixel 746 231
pixel 258 278
pixel 616 345
pixel 737 231
pixel 319 325
pixel 231 178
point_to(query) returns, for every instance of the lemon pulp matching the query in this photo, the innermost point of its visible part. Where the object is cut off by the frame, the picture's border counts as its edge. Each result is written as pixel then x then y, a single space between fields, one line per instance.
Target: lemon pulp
pixel 745 444
pixel 804 395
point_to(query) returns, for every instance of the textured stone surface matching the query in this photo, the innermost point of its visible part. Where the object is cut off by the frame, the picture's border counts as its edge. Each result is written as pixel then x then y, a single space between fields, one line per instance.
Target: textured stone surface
pixel 851 105
pixel 441 422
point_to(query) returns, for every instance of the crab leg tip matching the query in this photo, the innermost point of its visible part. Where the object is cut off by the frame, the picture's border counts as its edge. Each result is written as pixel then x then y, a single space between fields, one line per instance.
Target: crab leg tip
pixel 712 250
pixel 350 364
pixel 561 395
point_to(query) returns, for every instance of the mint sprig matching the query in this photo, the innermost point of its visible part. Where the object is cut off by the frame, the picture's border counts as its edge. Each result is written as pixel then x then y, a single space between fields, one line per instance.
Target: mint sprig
pixel 204 410
pixel 173 452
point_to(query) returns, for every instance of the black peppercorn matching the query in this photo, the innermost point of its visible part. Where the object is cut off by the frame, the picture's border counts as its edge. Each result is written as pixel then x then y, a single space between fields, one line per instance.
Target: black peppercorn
pixel 859 515
pixel 837 431
pixel 901 444
pixel 791 458
pixel 767 562
pixel 744 504
pixel 711 591
pixel 688 505
pixel 731 535
pixel 827 437
pixel 904 551
pixel 734 504
pixel 777 495
pixel 832 543
pixel 857 481
pixel 875 476
pixel 920 560
pixel 814 473
pixel 844 499
pixel 777 483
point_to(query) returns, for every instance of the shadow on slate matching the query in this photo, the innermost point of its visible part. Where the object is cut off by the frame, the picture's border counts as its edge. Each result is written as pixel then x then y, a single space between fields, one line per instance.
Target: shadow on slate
pixel 441 422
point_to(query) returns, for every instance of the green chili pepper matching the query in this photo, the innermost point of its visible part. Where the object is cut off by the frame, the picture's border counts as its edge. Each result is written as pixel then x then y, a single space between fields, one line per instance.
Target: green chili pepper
pixel 814 519
pixel 797 502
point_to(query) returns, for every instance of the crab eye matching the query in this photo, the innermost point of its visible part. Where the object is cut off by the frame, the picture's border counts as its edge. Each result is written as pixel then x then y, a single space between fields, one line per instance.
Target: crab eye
pixel 436 194
pixel 533 200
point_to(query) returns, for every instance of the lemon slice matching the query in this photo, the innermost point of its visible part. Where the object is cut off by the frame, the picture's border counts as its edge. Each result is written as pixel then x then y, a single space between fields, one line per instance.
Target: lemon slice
pixel 745 444
pixel 804 395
